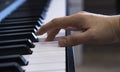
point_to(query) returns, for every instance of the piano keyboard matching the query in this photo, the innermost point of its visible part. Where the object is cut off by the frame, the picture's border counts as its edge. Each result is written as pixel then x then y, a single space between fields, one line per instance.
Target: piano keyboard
pixel 20 50
pixel 8 6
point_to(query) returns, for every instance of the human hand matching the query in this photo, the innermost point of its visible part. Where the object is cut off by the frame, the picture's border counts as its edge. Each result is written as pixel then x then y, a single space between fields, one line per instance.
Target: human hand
pixel 95 29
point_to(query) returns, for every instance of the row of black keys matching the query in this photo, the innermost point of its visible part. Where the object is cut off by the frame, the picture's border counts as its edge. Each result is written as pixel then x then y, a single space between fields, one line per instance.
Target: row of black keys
pixel 17 34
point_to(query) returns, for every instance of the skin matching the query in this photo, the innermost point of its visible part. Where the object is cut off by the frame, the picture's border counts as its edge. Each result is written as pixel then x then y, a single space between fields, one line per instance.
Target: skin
pixel 94 29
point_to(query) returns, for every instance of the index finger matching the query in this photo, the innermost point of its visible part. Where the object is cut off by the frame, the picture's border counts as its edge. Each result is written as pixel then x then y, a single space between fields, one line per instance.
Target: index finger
pixel 56 23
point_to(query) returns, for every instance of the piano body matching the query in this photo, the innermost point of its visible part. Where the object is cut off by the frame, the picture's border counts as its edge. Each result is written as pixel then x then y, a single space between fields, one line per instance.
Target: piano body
pixel 20 50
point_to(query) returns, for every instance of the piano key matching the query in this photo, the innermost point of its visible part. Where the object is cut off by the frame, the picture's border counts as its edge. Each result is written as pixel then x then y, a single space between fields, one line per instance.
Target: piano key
pixel 34 66
pixel 27 42
pixel 10 67
pixel 25 35
pixel 15 49
pixel 36 4
pixel 19 23
pixel 37 8
pixel 32 3
pixel 19 19
pixel 45 67
pixel 41 20
pixel 17 31
pixel 14 58
pixel 9 9
pixel 18 27
pixel 29 7
pixel 25 14
pixel 28 13
pixel 45 58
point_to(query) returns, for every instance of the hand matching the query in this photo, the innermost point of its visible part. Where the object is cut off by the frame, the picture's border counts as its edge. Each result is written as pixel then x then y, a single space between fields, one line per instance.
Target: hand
pixel 95 29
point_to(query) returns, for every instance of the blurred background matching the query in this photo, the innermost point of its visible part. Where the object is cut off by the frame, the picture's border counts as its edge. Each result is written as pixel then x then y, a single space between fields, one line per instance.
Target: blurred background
pixel 96 58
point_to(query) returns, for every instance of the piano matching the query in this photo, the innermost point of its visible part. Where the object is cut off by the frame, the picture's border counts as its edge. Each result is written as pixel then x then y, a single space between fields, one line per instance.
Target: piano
pixel 21 50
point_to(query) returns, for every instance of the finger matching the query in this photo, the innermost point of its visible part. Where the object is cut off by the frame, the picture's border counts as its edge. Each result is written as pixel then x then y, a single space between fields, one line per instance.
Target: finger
pixel 55 23
pixel 51 34
pixel 62 22
pixel 75 39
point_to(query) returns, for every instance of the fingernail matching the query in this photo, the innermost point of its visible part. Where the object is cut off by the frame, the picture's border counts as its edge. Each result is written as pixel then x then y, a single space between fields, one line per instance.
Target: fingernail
pixel 62 42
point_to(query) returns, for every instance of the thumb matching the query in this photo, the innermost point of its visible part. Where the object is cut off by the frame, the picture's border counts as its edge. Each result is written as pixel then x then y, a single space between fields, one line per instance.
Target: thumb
pixel 75 39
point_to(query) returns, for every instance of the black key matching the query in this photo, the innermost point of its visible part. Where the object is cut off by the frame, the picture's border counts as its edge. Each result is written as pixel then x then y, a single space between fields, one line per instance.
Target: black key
pixel 15 49
pixel 8 7
pixel 14 27
pixel 23 17
pixel 14 58
pixel 40 22
pixel 25 35
pixel 19 23
pixel 37 8
pixel 27 42
pixel 10 67
pixel 25 14
pixel 17 31
pixel 19 19
pixel 30 13
pixel 34 4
